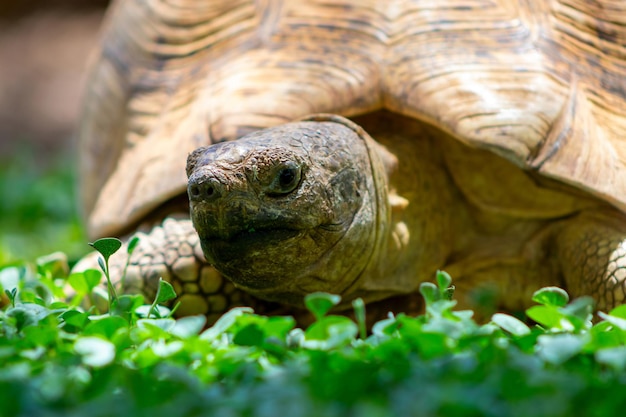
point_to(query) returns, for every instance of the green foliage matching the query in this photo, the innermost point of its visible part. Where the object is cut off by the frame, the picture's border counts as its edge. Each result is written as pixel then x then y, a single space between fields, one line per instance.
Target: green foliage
pixel 165 293
pixel 56 359
pixel 38 210
pixel 106 247
pixel 320 303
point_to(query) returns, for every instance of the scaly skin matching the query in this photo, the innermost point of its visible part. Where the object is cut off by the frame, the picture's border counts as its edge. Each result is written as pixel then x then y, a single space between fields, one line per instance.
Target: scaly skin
pixel 592 251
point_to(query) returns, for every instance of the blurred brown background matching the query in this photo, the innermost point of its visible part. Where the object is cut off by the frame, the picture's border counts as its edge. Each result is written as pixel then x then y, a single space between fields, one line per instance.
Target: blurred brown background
pixel 44 48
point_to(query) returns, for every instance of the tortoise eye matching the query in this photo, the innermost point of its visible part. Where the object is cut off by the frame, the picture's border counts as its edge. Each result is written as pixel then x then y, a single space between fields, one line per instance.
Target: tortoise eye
pixel 286 179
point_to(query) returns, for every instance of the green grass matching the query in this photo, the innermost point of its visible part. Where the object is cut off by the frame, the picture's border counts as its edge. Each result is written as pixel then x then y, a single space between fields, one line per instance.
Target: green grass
pixel 38 207
pixel 58 360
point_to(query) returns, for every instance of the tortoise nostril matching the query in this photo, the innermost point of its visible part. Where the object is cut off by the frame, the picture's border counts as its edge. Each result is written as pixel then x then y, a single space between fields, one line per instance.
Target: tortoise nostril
pixel 203 189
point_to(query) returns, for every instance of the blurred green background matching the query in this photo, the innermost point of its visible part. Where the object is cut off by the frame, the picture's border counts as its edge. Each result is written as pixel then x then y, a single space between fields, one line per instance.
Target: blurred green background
pixel 44 50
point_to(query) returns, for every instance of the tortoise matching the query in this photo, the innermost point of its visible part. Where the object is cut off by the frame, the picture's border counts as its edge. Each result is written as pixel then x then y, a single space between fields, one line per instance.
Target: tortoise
pixel 266 150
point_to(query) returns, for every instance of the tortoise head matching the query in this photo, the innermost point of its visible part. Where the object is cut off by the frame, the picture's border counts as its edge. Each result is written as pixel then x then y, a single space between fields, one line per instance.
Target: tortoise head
pixel 289 210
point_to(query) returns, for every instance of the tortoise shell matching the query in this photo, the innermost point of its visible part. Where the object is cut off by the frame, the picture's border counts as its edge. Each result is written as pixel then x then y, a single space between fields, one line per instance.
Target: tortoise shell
pixel 541 83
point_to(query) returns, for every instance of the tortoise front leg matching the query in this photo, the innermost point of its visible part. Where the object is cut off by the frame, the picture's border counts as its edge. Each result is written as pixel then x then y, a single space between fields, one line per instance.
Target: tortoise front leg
pixel 171 250
pixel 592 252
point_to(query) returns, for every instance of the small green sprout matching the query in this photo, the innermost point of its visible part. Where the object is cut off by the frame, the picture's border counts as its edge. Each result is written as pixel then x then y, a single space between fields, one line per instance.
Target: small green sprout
pixel 106 247
pixel 165 293
pixel 359 315
pixel 320 303
pixel 11 294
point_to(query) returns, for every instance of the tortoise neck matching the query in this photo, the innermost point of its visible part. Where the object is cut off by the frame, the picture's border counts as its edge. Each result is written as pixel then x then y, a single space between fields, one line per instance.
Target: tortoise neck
pixel 416 229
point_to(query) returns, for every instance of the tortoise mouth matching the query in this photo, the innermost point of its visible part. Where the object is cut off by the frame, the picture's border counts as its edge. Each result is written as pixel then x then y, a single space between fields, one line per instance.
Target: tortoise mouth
pixel 251 241
pixel 254 259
